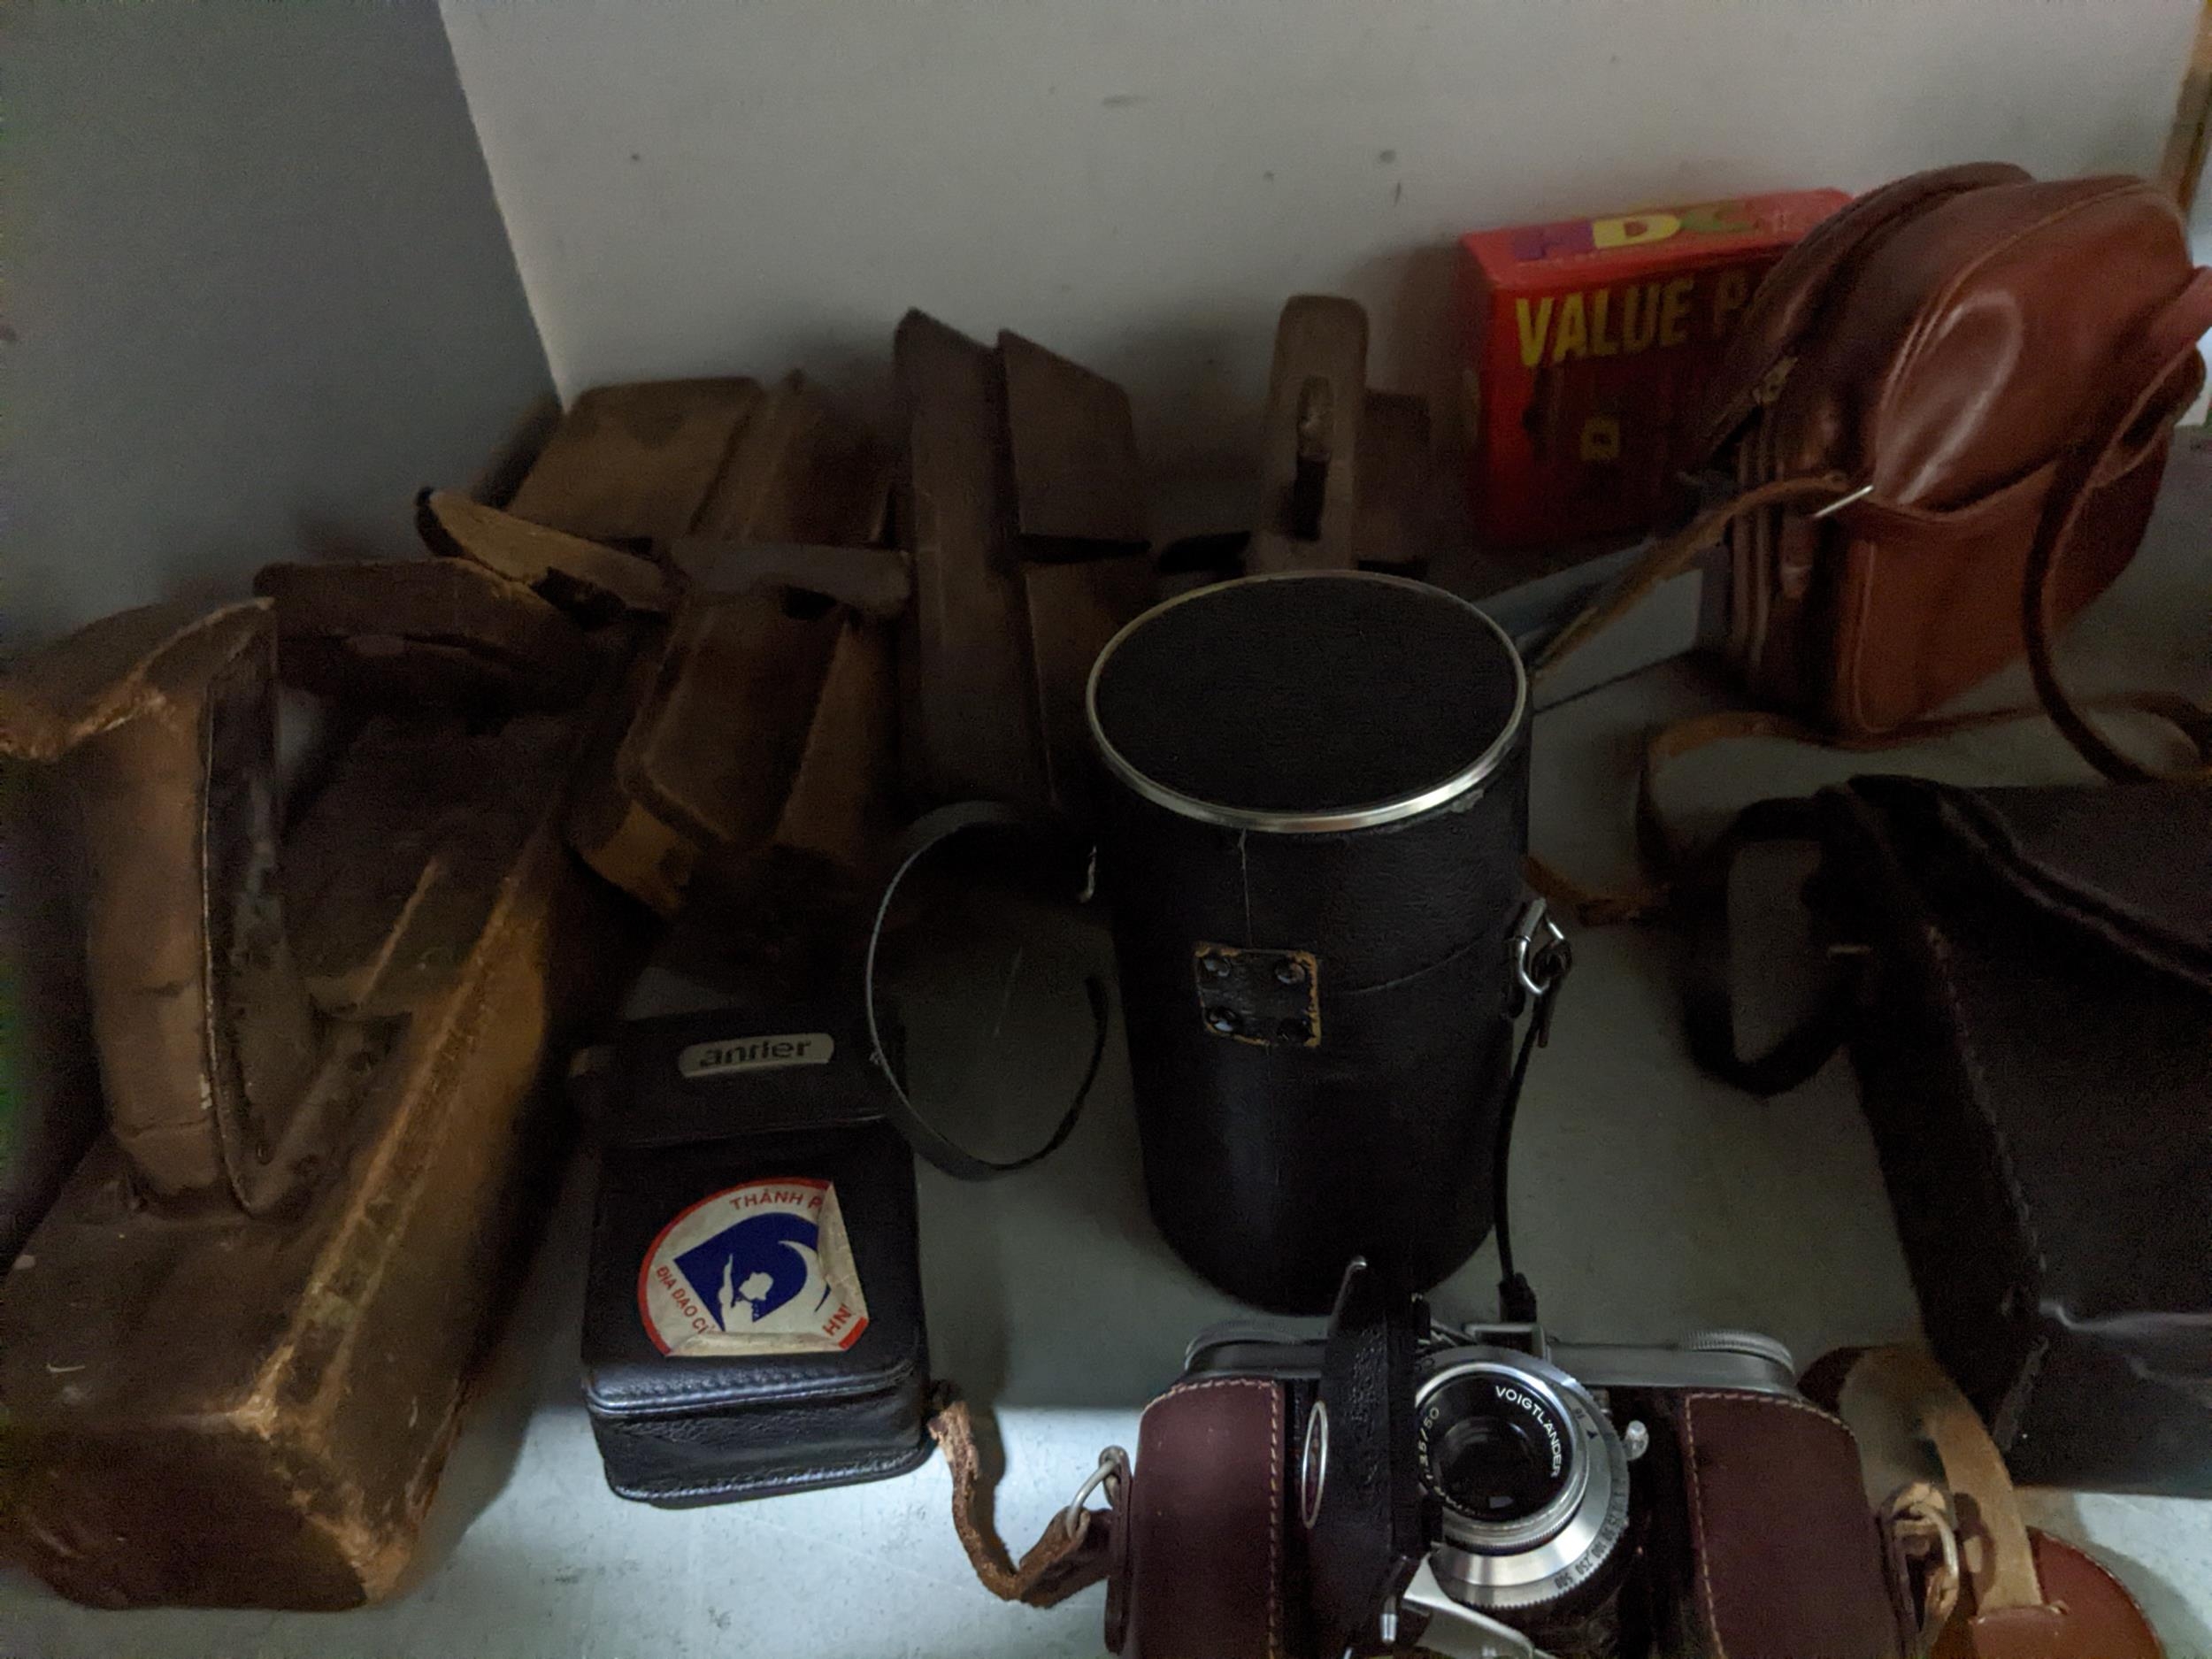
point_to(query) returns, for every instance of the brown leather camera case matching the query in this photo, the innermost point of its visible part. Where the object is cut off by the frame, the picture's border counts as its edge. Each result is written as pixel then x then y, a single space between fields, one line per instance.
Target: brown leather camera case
pixel 1761 1540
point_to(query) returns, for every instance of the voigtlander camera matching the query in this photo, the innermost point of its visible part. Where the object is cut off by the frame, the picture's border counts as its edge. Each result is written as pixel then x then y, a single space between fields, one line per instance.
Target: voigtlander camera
pixel 1477 1491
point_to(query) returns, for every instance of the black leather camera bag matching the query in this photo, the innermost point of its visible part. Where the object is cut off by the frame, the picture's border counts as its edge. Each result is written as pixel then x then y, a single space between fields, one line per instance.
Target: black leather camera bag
pixel 2024 977
pixel 760 1105
pixel 677 1430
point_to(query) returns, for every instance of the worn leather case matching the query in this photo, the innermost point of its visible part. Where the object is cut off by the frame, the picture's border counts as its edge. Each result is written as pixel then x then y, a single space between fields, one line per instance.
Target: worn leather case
pixel 1751 1536
pixel 689 1108
pixel 1986 1585
pixel 1757 1538
pixel 2033 1054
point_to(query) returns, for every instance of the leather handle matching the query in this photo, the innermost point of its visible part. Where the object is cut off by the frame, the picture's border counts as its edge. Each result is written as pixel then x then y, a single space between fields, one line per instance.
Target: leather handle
pixel 1709 997
pixel 163 721
pixel 2143 393
pixel 1672 555
pixel 1668 858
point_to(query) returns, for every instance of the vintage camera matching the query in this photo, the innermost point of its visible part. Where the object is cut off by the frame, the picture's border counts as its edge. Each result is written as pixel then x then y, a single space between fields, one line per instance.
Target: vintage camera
pixel 1529 1454
pixel 1480 1492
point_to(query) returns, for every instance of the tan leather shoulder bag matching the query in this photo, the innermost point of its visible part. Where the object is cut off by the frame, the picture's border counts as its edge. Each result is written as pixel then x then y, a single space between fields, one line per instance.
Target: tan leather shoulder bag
pixel 1945 416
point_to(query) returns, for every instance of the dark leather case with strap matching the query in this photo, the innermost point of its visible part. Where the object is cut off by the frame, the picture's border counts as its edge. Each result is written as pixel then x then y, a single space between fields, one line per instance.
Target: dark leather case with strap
pixel 1986 369
pixel 2031 1020
pixel 680 1429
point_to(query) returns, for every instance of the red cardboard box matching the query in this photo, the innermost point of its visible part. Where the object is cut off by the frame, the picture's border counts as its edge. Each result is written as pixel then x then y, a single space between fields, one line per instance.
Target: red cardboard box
pixel 1588 341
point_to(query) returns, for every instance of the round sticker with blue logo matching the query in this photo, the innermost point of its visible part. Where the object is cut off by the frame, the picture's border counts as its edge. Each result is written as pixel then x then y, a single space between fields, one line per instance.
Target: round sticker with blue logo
pixel 764 1268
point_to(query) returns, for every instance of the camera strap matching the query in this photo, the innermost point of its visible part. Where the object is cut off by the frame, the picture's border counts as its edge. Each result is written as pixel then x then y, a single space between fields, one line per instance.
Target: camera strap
pixel 1359 1487
pixel 1541 958
pixel 929 832
pixel 1075 1550
pixel 1987 1585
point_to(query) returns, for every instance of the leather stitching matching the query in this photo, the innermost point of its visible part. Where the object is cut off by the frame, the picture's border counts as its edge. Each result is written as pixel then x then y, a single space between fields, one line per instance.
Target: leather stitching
pixel 1274 1485
pixel 2004 1427
pixel 1275 1525
pixel 770 1482
pixel 629 1389
pixel 1766 532
pixel 1218 1382
pixel 1697 1517
pixel 1697 1496
pixel 1978 1088
pixel 1757 1398
pixel 1701 1531
pixel 1855 631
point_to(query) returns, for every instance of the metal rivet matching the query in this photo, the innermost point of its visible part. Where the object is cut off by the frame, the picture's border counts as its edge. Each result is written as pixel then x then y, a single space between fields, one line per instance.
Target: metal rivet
pixel 1222 1020
pixel 1213 967
pixel 1295 1030
pixel 1290 972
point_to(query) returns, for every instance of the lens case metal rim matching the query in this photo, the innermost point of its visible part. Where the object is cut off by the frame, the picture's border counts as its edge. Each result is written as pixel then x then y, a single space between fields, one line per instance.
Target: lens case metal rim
pixel 1410 803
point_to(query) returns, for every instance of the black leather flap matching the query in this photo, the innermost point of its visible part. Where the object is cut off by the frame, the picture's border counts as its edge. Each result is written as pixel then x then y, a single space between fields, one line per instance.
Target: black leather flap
pixel 1366 1529
pixel 2038 1064
pixel 2131 866
pixel 725 1072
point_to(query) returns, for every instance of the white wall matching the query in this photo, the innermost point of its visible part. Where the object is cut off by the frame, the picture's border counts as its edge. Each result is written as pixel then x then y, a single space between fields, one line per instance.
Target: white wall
pixel 257 293
pixel 741 185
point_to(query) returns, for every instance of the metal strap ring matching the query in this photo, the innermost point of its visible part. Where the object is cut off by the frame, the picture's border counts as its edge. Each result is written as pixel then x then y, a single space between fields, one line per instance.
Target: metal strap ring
pixel 1919 1518
pixel 1539 949
pixel 1113 1468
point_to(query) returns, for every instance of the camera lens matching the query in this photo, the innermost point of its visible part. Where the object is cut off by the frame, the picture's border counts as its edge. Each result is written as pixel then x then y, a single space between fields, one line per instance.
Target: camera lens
pixel 1496 1447
pixel 1532 1479
pixel 1495 1469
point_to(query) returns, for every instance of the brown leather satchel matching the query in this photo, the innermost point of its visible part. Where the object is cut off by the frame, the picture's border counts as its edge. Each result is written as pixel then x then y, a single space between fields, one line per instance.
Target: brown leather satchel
pixel 1944 417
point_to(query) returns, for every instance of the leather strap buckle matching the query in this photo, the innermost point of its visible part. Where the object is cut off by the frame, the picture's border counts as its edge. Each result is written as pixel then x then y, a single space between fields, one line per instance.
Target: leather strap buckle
pixel 1076 1549
pixel 1918 1517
